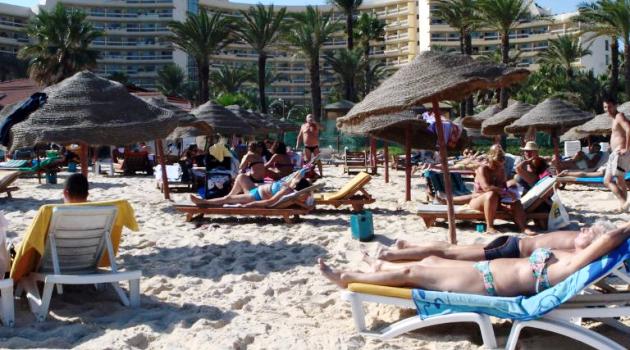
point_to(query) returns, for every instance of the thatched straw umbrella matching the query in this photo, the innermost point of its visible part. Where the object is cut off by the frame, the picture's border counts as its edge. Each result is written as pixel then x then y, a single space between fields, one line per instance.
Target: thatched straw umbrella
pixel 257 125
pixel 91 110
pixel 222 120
pixel 494 126
pixel 600 125
pixel 573 134
pixel 432 77
pixel 475 121
pixel 552 115
pixel 341 106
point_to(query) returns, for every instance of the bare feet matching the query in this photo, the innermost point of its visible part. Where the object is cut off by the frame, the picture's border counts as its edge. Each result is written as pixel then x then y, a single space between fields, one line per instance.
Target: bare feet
pixel 374 264
pixel 491 230
pixel 563 173
pixel 332 275
pixel 529 232
pixel 401 244
pixel 196 200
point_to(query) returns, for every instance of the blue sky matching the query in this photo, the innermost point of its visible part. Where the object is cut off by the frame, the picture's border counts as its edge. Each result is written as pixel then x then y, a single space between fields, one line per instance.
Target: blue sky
pixel 557 6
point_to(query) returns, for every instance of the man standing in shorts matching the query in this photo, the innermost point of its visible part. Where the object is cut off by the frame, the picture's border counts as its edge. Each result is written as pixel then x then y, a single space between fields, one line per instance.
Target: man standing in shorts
pixel 619 161
pixel 309 135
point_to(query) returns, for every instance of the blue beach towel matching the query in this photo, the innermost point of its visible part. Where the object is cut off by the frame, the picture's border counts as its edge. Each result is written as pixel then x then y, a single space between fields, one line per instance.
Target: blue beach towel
pixel 431 303
pixel 597 180
pixel 436 181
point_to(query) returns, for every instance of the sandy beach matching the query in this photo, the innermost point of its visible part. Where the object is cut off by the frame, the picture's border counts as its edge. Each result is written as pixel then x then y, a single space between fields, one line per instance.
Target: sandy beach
pixel 252 283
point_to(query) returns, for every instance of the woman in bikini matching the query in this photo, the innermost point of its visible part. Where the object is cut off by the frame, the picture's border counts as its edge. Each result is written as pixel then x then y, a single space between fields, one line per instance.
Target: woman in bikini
pixel 490 188
pixel 253 164
pixel 261 196
pixel 543 269
pixel 280 164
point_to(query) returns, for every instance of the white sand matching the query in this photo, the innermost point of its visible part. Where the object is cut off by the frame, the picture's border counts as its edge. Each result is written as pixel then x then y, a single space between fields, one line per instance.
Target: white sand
pixel 250 283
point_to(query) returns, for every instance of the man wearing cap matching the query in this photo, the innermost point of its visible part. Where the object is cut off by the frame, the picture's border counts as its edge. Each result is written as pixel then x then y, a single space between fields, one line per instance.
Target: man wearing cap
pixel 532 169
pixel 309 135
pixel 619 160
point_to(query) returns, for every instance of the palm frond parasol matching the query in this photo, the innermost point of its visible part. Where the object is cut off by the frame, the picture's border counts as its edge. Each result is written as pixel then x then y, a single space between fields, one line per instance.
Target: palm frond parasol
pixel 495 125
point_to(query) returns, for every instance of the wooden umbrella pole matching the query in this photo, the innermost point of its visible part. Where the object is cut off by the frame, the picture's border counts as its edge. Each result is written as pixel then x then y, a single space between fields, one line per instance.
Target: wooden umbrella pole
pixel 373 161
pixel 452 235
pixel 386 155
pixel 162 160
pixel 556 144
pixel 407 164
pixel 84 159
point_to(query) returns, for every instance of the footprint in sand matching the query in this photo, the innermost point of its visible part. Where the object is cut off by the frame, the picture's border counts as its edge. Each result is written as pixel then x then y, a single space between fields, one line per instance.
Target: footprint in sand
pixel 240 303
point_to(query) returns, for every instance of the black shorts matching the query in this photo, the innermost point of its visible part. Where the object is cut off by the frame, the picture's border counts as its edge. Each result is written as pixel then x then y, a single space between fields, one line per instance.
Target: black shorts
pixel 502 248
pixel 311 148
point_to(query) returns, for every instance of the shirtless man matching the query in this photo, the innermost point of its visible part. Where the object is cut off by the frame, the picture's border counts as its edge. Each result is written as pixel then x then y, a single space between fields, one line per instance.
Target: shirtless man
pixel 501 247
pixel 309 135
pixel 619 160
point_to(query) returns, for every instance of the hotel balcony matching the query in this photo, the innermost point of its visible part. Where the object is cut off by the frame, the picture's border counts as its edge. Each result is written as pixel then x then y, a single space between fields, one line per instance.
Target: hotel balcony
pixel 136 59
pixel 102 44
pixel 10 25
pixel 397 37
pixel 129 17
pixel 121 3
pixel 14 41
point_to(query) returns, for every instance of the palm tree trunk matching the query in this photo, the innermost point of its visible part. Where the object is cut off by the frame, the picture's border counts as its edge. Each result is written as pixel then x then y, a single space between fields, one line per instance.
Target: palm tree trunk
pixel 204 74
pixel 470 102
pixel 366 82
pixel 316 90
pixel 349 20
pixel 626 49
pixel 614 67
pixel 505 58
pixel 262 61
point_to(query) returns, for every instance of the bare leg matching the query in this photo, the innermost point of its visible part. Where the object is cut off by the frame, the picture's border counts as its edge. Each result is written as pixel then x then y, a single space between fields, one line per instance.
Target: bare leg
pixel 520 218
pixel 307 155
pixel 242 184
pixel 464 279
pixel 235 199
pixel 488 203
pixel 616 189
pixel 470 252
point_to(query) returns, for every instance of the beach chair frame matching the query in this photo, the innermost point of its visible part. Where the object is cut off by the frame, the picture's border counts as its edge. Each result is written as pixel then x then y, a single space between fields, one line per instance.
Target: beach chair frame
pixel 89 245
pixel 355 161
pixel 7 178
pixel 7 310
pixel 357 198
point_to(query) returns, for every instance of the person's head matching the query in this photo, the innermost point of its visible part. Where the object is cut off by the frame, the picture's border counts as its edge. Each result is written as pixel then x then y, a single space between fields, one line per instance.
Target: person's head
pixel 610 105
pixel 594 148
pixel 299 183
pixel 192 147
pixel 252 147
pixel 539 165
pixel 496 155
pixel 279 148
pixel 589 234
pixel 530 150
pixel 76 189
pixel 310 119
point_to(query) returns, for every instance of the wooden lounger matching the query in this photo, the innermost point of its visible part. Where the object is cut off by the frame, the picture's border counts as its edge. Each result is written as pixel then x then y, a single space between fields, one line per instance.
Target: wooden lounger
pixel 531 202
pixel 352 194
pixel 289 207
pixel 6 179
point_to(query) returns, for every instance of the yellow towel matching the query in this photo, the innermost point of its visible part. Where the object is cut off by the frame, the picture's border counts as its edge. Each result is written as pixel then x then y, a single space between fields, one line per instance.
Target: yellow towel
pixel 34 242
pixel 373 289
pixel 219 151
pixel 349 189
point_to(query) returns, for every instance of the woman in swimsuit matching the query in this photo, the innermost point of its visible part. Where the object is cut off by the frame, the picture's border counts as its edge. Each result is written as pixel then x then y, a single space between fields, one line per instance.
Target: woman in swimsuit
pixel 280 164
pixel 501 277
pixel 254 162
pixel 490 187
pixel 261 196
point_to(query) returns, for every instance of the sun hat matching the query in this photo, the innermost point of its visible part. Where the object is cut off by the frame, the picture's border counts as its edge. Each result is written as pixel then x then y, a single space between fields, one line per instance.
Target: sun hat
pixel 530 146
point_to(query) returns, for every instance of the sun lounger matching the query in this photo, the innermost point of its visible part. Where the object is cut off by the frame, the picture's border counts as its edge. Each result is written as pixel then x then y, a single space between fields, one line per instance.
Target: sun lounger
pixel 353 193
pixel 289 207
pixel 589 181
pixel 134 162
pixel 558 309
pixel 531 201
pixel 66 244
pixel 7 312
pixel 7 178
pixel 14 164
pixel 355 161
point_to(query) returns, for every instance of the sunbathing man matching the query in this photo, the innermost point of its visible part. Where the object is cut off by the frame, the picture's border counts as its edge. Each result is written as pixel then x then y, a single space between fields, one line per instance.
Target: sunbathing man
pixel 543 269
pixel 581 160
pixel 501 247
pixel 262 196
pixel 532 169
pixel 75 190
pixel 619 160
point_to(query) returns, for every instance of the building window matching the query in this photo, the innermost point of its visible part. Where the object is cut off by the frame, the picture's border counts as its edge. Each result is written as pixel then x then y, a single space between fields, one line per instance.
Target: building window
pixel 193 6
pixel 606 45
pixel 607 60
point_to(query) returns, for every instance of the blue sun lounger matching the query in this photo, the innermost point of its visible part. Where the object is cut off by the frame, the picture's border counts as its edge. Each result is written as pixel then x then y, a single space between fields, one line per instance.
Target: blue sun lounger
pixel 555 309
pixel 586 180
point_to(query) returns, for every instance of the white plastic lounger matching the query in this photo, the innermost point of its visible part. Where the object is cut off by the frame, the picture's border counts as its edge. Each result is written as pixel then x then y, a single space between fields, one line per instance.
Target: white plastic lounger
pixel 77 239
pixel 357 294
pixel 7 313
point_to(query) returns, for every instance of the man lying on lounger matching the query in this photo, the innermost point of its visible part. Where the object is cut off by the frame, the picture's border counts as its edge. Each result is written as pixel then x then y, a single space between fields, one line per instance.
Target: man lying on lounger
pixel 501 247
pixel 260 197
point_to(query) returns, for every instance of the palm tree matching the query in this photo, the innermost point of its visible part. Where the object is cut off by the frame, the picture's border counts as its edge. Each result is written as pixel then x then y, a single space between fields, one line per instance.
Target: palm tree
pixel 11 67
pixel 614 15
pixel 170 81
pixel 200 36
pixel 228 79
pixel 599 23
pixel 261 27
pixel 376 71
pixel 461 16
pixel 61 45
pixel 369 28
pixel 307 34
pixel 563 51
pixel 503 16
pixel 349 7
pixel 345 63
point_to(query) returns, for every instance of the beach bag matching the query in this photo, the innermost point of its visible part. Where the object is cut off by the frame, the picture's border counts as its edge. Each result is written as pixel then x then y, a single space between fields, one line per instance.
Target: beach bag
pixel 5 260
pixel 558 216
pixel 361 226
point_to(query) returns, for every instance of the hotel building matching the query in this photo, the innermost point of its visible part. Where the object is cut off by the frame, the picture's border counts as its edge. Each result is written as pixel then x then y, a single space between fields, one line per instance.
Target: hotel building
pixel 135 41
